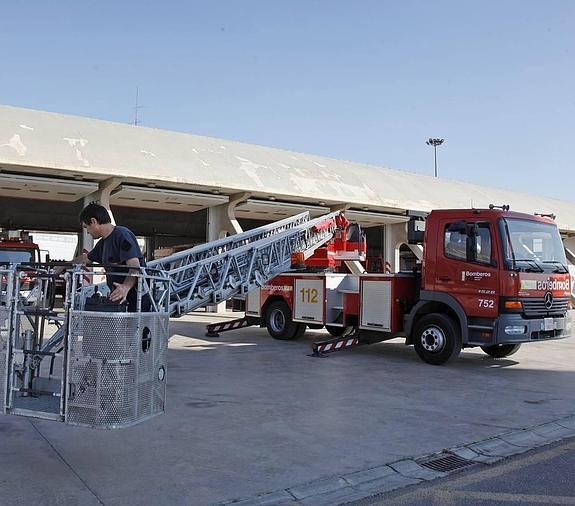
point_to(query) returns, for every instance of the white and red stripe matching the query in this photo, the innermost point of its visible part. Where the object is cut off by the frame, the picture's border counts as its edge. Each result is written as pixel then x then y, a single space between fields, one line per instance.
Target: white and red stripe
pixel 239 323
pixel 335 345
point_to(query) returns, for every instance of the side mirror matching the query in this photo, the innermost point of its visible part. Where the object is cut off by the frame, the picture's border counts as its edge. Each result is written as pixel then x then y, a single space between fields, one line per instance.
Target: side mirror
pixel 415 230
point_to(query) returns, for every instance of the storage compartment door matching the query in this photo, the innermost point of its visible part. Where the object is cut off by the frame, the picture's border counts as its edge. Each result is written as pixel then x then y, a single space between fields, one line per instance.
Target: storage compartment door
pixel 334 299
pixel 376 305
pixel 253 303
pixel 309 300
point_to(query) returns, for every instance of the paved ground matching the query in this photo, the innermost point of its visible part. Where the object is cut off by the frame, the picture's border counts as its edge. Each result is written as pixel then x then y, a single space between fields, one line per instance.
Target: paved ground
pixel 248 415
pixel 543 476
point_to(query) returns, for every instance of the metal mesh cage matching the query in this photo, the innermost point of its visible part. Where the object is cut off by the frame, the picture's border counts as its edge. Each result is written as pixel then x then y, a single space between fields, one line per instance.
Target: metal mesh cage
pixel 116 368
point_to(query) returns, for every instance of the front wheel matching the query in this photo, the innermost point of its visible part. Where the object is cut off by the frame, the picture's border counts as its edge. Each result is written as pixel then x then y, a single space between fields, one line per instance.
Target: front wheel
pixel 279 322
pixel 501 350
pixel 437 339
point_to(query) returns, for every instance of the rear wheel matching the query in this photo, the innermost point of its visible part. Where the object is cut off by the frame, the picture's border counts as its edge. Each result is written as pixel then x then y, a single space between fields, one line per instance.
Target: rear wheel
pixel 501 350
pixel 279 322
pixel 300 331
pixel 437 339
pixel 339 331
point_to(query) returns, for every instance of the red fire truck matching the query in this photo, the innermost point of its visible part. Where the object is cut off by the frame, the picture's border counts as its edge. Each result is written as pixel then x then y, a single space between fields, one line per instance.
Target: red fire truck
pixel 17 246
pixel 491 278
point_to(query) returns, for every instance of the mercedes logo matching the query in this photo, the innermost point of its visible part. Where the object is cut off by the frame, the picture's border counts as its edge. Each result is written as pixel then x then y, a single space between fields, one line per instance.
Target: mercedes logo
pixel 548 299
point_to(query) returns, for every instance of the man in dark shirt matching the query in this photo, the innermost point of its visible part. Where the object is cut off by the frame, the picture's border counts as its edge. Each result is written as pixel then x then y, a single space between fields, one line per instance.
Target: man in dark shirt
pixel 117 246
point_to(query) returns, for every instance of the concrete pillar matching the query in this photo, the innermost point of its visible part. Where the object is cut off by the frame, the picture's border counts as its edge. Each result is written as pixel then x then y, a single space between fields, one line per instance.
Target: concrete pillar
pixel 221 222
pixel 569 243
pixel 395 236
pixel 85 242
pixel 216 227
pixel 102 197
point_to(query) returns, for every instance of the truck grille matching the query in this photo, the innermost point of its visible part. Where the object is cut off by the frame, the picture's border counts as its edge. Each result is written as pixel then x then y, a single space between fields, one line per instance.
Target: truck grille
pixel 535 307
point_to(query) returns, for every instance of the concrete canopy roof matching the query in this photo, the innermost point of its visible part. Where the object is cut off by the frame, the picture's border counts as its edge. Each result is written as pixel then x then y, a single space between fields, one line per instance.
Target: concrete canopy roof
pixel 73 147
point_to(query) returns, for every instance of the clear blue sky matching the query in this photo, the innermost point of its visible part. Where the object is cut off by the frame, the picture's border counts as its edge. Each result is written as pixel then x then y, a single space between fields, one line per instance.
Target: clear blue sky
pixel 367 81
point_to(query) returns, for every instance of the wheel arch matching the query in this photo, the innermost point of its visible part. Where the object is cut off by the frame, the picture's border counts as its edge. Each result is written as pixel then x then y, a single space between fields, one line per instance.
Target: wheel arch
pixel 432 302
pixel 270 300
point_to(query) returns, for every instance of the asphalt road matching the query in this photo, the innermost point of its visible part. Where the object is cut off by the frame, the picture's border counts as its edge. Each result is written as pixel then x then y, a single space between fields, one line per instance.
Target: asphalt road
pixel 247 415
pixel 542 476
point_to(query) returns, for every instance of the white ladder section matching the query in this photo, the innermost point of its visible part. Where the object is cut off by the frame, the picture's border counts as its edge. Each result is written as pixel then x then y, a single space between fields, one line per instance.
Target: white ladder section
pixel 215 271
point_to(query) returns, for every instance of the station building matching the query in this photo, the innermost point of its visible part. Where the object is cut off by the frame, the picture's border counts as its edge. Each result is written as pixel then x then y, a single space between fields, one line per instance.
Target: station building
pixel 179 189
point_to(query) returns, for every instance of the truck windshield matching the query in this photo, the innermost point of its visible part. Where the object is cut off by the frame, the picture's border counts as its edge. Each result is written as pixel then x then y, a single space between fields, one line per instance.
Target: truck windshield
pixel 16 256
pixel 532 246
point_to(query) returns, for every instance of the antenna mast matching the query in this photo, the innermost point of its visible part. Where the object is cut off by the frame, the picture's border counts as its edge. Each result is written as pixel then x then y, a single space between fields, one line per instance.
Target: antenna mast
pixel 136 119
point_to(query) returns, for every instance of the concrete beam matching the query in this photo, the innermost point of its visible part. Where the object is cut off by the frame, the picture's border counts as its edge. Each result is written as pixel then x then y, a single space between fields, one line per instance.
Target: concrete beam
pixel 339 207
pixel 222 219
pixel 234 201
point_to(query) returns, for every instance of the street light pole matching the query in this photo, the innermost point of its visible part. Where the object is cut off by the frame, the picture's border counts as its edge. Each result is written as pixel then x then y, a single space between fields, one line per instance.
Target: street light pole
pixel 434 143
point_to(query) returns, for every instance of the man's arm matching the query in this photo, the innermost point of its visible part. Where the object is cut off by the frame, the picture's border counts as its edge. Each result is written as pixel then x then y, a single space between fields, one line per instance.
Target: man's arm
pixel 80 259
pixel 121 291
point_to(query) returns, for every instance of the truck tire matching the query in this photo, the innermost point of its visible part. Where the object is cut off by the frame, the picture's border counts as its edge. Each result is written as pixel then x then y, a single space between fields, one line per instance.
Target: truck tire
pixel 437 339
pixel 301 328
pixel 279 322
pixel 339 331
pixel 501 350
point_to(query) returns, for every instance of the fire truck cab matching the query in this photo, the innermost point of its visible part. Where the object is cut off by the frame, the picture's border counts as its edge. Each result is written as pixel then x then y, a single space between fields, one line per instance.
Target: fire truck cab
pixel 488 277
pixel 17 246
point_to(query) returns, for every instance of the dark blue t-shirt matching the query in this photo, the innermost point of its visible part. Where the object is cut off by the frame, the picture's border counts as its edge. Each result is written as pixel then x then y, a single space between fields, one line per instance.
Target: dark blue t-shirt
pixel 119 246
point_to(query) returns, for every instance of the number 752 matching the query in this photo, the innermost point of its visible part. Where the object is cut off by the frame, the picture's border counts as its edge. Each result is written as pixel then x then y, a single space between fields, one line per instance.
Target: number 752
pixel 487 303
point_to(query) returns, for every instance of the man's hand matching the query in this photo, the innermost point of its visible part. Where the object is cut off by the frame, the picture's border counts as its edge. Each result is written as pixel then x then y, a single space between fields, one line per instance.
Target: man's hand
pixel 80 259
pixel 120 293
pixel 58 271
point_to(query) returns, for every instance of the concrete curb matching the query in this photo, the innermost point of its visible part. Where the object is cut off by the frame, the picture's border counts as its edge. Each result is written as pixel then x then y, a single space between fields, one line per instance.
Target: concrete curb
pixel 495 447
pixel 411 469
pixel 467 453
pixel 365 483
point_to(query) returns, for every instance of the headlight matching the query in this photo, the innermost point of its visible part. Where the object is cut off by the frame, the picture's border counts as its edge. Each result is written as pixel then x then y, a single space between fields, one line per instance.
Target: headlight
pixel 514 330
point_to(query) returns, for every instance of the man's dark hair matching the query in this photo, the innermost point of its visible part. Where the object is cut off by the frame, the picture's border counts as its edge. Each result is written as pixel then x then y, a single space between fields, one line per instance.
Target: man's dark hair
pixel 96 211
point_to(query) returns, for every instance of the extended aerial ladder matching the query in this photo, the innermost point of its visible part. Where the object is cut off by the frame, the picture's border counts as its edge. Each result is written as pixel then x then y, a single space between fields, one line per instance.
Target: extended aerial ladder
pixel 216 271
pixel 107 369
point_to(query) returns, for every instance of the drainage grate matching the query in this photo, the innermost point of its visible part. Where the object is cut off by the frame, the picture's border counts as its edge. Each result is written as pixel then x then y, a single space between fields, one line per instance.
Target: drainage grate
pixel 445 462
